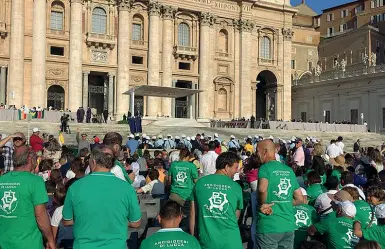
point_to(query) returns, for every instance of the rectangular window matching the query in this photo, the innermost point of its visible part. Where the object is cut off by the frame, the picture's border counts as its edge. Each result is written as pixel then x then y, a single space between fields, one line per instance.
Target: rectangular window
pixel 137 60
pixel 58 51
pixel 303 116
pixel 327 117
pixel 184 66
pixel 330 17
pixel 56 20
pixel 344 13
pixel 358 9
pixel 330 31
pixel 343 27
pixel 137 32
pixel 292 64
pixel 354 116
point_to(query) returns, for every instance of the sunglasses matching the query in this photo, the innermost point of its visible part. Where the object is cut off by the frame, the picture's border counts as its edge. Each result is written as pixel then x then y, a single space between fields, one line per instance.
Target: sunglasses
pixel 17 139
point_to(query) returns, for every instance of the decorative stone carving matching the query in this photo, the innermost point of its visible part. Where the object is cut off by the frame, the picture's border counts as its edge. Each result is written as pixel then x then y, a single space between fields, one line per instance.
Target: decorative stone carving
pixel 365 59
pixel 168 12
pixel 207 19
pixel 373 59
pixel 99 56
pixel 318 70
pixel 343 65
pixel 137 79
pixel 244 25
pixel 287 34
pixel 56 71
pixel 124 5
pixel 154 8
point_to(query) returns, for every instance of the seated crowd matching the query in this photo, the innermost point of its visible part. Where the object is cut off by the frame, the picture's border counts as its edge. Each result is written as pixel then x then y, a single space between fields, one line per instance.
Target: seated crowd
pixel 256 193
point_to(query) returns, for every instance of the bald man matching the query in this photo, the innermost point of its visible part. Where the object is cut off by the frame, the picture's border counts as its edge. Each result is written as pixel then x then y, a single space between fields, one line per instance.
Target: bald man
pixel 278 191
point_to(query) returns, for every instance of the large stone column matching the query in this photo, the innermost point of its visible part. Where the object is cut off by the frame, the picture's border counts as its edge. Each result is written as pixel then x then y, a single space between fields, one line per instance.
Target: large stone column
pixel 38 90
pixel 85 89
pixel 167 59
pixel 16 63
pixel 3 74
pixel 75 61
pixel 111 94
pixel 153 57
pixel 284 100
pixel 246 26
pixel 124 58
pixel 204 56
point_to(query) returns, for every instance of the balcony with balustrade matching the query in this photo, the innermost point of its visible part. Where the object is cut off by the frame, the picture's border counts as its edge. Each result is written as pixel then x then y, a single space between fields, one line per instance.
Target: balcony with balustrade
pixel 100 40
pixel 221 55
pixel 184 52
pixel 139 44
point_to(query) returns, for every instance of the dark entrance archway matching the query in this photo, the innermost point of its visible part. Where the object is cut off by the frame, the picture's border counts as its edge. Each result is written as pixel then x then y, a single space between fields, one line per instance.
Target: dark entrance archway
pixel 266 95
pixel 97 91
pixel 181 104
pixel 55 97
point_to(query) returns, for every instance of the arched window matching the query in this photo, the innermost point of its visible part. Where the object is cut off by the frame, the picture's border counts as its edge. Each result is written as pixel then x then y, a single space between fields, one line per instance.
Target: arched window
pixel 222 100
pixel 137 28
pixel 223 41
pixel 266 48
pixel 57 16
pixel 184 35
pixel 99 21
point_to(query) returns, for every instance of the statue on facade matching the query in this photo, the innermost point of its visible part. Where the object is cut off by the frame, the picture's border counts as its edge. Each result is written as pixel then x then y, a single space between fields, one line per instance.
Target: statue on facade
pixel 318 70
pixel 343 65
pixel 365 59
pixel 373 59
pixel 336 64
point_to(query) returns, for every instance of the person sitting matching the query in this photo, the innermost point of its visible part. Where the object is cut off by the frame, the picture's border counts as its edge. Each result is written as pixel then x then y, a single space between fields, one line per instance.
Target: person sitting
pixel 364 210
pixel 314 188
pixel 170 236
pixel 155 187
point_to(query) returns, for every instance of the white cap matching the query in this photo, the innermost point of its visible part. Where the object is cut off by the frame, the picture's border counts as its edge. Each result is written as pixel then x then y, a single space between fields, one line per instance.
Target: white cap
pixel 147 137
pixel 232 136
pixel 144 135
pixel 192 138
pixel 293 138
pixel 131 136
pixel 348 208
pixel 168 135
pixel 271 137
pixel 380 211
pixel 160 136
pixel 176 137
pixel 256 136
pixel 35 130
pixel 322 203
pixel 249 137
pixel 153 137
pixel 183 136
pixel 165 139
pixel 216 135
pixel 283 141
pixel 137 135
pixel 303 191
pixel 188 138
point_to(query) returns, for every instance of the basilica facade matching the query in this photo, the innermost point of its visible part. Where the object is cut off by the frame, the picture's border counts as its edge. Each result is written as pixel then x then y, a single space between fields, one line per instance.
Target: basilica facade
pixel 72 53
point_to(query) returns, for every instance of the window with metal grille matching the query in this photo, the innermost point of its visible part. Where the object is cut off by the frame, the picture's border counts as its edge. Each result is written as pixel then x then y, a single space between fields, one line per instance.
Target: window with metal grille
pixel 265 48
pixel 183 35
pixel 57 20
pixel 99 21
pixel 137 32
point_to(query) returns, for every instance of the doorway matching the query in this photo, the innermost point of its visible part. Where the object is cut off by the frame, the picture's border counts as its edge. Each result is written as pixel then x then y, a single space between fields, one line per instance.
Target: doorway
pixel 266 96
pixel 55 97
pixel 97 91
pixel 181 104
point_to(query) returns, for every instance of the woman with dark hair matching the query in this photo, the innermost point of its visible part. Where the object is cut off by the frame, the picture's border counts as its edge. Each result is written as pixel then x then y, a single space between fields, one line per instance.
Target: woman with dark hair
pixel 251 171
pixel 376 160
pixel 318 164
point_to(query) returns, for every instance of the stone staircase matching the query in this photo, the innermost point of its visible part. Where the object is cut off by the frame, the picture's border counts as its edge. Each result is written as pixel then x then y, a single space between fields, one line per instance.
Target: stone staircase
pixel 189 128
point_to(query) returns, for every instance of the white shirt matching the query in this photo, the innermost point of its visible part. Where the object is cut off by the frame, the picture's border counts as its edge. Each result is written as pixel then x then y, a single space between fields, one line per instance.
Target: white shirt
pixel 277 157
pixel 148 187
pixel 362 195
pixel 57 216
pixel 117 171
pixel 341 145
pixel 334 151
pixel 208 163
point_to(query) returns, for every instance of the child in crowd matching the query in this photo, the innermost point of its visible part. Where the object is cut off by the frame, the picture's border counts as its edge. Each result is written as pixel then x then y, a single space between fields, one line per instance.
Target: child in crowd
pixel 155 187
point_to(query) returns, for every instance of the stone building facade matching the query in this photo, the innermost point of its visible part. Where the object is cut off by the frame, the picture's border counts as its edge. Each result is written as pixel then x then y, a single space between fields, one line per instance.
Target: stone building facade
pixel 72 53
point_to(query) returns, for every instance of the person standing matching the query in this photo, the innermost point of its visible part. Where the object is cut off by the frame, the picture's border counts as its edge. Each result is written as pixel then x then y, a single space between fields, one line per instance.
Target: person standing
pixel 299 154
pixel 99 216
pixel 356 146
pixel 23 215
pixel 82 143
pixel 278 190
pixel 105 115
pixel 208 160
pixel 217 203
pixel 252 122
pixel 340 144
pixel 80 115
pixel 88 115
pixel 8 147
pixel 35 141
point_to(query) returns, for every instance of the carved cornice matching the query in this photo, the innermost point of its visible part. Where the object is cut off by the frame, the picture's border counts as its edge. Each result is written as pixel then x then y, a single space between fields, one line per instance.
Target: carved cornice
pixel 124 5
pixel 154 8
pixel 168 12
pixel 287 34
pixel 207 19
pixel 246 25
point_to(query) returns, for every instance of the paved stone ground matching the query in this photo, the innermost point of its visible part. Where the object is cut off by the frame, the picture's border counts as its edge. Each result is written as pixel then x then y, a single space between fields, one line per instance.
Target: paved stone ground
pixel 367 139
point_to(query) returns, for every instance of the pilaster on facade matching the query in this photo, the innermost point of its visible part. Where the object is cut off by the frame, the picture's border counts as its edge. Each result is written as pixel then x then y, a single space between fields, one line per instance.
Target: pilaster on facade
pixel 154 8
pixel 287 34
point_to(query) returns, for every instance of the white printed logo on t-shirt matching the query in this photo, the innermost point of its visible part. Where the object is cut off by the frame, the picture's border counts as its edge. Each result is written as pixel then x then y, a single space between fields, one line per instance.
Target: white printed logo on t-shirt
pixel 8 202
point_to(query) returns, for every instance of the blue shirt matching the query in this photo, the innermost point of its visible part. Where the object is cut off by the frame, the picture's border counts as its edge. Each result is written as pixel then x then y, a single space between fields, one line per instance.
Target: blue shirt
pixel 132 144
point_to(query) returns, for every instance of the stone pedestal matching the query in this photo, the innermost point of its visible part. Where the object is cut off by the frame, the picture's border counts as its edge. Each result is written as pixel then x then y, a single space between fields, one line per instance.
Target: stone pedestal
pixel 75 60
pixel 38 89
pixel 16 63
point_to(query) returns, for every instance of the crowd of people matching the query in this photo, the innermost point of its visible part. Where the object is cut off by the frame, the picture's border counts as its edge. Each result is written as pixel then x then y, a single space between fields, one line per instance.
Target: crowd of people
pixel 257 192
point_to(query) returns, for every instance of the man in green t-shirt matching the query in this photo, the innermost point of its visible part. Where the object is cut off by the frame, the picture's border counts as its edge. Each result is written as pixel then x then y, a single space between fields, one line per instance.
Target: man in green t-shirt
pixel 170 236
pixel 304 215
pixel 23 214
pixel 277 187
pixel 101 206
pixel 314 188
pixel 217 200
pixel 376 233
pixel 338 229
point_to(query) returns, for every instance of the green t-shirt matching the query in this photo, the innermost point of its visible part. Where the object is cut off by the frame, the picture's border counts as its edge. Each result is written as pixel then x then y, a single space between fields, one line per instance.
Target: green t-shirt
pixel 101 206
pixel 282 184
pixel 338 231
pixel 313 191
pixel 20 192
pixel 217 199
pixel 171 238
pixel 364 213
pixel 183 175
pixel 304 215
pixel 376 233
